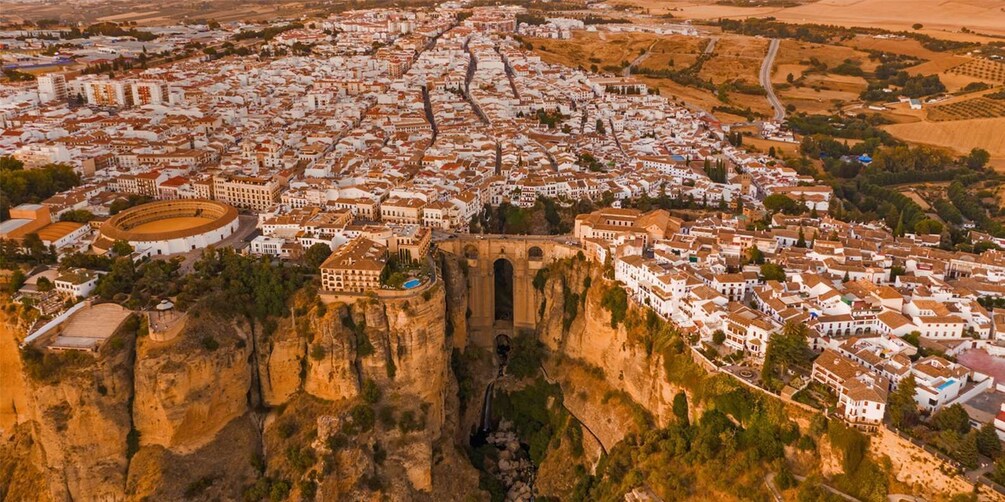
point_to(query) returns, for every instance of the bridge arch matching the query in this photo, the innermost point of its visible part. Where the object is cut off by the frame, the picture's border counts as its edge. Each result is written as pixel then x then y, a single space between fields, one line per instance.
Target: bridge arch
pixel 487 258
pixel 502 274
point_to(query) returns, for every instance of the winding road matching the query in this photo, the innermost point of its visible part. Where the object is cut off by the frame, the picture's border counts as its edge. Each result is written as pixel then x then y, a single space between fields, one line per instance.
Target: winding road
pixel 765 76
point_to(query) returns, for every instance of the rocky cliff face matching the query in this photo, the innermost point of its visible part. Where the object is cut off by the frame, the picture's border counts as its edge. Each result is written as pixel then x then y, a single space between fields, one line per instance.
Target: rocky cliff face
pixel 78 407
pixel 13 385
pixel 191 387
pixel 180 418
pixel 455 280
pixel 401 347
pixel 586 336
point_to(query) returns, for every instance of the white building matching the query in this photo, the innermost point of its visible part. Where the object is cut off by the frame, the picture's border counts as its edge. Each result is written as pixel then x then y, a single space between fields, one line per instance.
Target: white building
pixel 76 283
pixel 861 393
pixel 938 381
pixel 52 87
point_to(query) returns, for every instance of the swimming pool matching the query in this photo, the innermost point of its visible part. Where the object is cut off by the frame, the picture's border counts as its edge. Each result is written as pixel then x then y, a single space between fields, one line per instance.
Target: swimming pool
pixel 411 283
pixel 947 383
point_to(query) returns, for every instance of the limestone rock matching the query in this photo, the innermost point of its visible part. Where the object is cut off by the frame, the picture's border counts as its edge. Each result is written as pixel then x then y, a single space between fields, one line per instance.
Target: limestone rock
pixel 81 423
pixel 332 351
pixel 280 364
pixel 186 390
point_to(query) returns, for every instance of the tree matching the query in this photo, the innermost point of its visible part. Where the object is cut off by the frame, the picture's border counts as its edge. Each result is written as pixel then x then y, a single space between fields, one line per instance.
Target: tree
pixel 371 391
pixel 781 202
pixel 615 300
pixel 44 284
pixel 901 407
pixel 119 280
pixel 801 242
pixel 977 159
pixel 988 443
pixel 17 279
pixel 892 217
pixel 600 127
pixel 122 248
pixel 19 185
pixel 317 254
pixel 718 337
pixel 35 248
pixel 952 418
pixel 77 216
pixel 966 453
pixel 773 272
pixel 785 350
pixel 999 472
pixel 680 409
pixel 928 226
pixel 10 163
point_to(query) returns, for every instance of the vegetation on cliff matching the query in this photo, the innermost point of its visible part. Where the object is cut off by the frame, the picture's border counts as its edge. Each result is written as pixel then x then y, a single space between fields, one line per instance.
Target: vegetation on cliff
pixel 720 438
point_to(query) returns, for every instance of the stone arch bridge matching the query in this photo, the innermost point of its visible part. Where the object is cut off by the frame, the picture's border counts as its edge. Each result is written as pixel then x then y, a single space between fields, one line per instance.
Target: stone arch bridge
pixel 501 270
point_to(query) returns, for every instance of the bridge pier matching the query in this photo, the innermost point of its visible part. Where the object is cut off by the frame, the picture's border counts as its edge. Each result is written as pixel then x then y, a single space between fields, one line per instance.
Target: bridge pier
pixel 526 255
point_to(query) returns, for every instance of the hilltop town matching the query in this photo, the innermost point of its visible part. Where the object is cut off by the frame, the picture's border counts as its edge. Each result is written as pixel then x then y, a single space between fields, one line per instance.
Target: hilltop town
pixel 391 154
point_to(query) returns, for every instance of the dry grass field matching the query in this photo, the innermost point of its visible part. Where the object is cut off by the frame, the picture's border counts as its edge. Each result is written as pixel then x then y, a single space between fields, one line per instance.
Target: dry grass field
pixel 958 135
pixel 817 92
pixel 585 48
pixel 781 147
pixel 940 17
pixel 682 50
pixel 611 49
pixel 905 46
pixel 735 58
pixel 798 52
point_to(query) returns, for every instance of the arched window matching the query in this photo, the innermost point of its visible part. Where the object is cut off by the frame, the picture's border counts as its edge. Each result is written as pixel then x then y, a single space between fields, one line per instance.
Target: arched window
pixel 535 254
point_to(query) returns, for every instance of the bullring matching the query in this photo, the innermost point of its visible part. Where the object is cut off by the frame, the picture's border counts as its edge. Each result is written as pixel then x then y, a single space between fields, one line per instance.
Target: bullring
pixel 170 226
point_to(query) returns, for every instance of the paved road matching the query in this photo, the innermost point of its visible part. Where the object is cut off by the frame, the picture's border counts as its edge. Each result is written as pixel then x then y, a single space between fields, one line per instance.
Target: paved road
pixel 711 46
pixel 986 466
pixel 637 61
pixel 765 76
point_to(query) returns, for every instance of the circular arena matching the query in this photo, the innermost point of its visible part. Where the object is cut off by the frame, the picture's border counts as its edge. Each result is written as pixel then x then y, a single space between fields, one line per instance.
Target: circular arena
pixel 170 226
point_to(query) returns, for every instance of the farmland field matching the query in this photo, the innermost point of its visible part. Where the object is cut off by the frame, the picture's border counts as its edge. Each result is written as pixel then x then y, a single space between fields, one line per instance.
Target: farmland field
pixel 968 109
pixel 983 69
pixel 959 135
pixel 938 17
pixel 735 57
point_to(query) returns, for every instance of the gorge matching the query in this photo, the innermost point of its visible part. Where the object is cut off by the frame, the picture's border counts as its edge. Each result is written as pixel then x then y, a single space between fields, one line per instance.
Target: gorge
pixel 352 397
